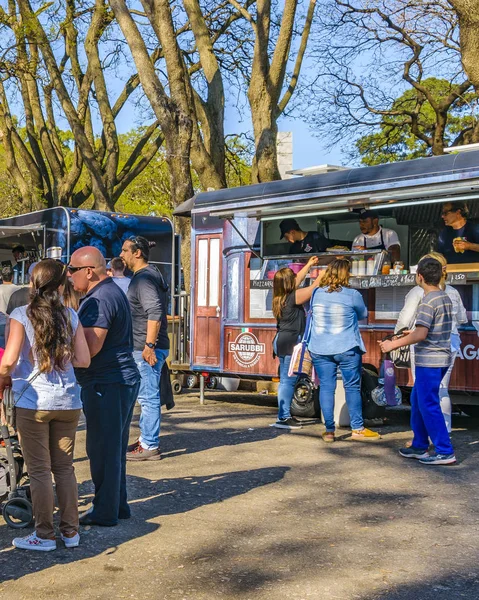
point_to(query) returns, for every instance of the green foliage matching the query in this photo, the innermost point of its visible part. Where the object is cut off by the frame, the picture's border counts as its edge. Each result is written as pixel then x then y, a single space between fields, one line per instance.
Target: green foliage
pixel 395 140
pixel 239 156
pixel 149 193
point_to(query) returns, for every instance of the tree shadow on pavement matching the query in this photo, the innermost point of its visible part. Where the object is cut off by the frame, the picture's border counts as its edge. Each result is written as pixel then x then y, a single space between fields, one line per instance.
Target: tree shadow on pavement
pixel 149 500
pixel 461 585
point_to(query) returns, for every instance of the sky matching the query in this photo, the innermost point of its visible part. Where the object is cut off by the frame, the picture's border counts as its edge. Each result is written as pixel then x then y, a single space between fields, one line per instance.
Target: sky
pixel 308 149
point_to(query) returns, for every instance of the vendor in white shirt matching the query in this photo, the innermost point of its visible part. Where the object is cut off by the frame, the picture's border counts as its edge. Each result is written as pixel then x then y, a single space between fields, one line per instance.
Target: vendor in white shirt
pixel 375 237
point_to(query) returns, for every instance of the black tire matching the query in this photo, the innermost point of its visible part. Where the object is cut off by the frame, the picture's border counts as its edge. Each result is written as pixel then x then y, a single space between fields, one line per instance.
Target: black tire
pixel 176 386
pixel 212 382
pixel 191 381
pixel 305 399
pixel 18 513
pixel 471 410
pixel 369 380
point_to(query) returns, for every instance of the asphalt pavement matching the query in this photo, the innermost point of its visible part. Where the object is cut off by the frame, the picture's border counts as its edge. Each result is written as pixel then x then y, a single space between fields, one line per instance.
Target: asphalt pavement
pixel 239 510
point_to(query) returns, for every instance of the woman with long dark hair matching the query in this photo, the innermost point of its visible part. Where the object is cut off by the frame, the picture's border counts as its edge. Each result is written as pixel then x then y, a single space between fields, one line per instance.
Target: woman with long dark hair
pixel 288 300
pixel 45 342
pixel 336 342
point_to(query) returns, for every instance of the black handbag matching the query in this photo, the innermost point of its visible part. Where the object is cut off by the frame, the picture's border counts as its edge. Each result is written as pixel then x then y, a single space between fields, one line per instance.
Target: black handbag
pixel 401 357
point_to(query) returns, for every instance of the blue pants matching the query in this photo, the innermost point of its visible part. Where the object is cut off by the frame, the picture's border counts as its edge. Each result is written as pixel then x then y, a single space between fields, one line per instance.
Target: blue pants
pixel 326 367
pixel 149 398
pixel 427 420
pixel 108 410
pixel 285 388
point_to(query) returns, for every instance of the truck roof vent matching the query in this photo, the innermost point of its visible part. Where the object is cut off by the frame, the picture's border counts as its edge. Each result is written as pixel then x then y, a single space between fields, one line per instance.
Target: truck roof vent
pixel 318 170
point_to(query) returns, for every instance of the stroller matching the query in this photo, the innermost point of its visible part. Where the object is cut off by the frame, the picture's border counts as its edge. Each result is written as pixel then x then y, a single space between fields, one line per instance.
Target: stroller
pixel 14 488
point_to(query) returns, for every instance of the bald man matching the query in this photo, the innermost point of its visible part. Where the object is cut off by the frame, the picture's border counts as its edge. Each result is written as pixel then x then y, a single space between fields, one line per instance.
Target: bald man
pixel 109 385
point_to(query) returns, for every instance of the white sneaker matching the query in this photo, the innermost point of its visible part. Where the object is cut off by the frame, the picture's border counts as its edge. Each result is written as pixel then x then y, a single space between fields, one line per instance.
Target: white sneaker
pixel 71 542
pixel 33 542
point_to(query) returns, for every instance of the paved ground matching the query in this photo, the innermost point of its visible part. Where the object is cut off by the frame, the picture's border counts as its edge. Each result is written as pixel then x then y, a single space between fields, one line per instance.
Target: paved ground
pixel 240 510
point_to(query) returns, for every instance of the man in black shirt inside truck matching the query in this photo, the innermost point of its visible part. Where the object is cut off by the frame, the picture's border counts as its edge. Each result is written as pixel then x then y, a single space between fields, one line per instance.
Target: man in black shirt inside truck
pixel 301 241
pixel 148 298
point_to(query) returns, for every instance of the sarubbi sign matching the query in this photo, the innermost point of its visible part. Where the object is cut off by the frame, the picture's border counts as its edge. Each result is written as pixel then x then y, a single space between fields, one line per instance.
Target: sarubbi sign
pixel 246 349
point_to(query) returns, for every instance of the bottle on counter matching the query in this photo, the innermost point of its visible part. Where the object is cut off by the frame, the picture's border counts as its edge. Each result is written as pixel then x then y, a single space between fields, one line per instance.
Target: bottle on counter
pixel 370 266
pixel 354 266
pixel 361 266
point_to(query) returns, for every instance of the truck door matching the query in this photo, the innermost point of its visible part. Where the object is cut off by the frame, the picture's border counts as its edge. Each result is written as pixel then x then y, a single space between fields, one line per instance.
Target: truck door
pixel 208 301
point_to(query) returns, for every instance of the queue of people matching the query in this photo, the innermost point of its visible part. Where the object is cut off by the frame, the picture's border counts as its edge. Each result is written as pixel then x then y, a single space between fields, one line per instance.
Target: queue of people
pixel 431 316
pixel 77 341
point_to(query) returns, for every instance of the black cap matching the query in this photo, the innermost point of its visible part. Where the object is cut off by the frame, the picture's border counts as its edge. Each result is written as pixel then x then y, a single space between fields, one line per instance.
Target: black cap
pixel 288 225
pixel 367 213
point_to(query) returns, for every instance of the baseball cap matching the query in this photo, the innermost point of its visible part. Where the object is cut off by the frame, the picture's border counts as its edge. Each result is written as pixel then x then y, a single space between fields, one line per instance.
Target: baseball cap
pixel 288 225
pixel 368 214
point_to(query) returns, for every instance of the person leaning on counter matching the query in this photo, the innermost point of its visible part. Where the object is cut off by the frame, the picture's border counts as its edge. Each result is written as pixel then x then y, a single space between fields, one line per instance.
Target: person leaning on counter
pixel 375 237
pixel 302 241
pixel 459 240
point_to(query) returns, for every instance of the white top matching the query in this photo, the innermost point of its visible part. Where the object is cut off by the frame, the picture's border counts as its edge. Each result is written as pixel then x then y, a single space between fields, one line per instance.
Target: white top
pixel 122 282
pixel 57 390
pixel 6 290
pixel 407 316
pixel 390 238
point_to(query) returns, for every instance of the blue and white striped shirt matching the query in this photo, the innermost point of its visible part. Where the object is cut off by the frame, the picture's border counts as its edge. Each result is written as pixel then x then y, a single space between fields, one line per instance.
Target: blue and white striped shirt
pixel 335 325
pixel 434 313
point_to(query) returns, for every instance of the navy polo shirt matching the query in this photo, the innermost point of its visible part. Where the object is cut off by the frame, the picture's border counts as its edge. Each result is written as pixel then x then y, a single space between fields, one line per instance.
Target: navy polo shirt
pixel 106 307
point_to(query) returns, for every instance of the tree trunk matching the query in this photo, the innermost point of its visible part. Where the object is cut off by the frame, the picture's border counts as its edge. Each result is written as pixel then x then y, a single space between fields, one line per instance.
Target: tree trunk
pixel 265 163
pixel 468 13
pixel 182 189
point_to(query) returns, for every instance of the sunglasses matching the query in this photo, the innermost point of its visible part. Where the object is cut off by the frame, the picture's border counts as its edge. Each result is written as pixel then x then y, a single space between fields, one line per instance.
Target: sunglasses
pixel 75 269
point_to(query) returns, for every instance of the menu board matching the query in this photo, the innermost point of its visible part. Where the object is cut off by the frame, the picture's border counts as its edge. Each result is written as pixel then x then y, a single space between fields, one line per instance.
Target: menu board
pixel 260 296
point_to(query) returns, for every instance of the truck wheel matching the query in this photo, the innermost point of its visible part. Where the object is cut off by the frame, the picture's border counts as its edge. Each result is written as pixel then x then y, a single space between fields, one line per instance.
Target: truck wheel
pixel 191 382
pixel 305 399
pixel 212 382
pixel 471 410
pixel 176 386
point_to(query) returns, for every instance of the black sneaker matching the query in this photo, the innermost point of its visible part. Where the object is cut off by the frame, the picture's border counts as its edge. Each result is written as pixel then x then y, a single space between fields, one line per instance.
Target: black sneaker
pixel 414 453
pixel 287 424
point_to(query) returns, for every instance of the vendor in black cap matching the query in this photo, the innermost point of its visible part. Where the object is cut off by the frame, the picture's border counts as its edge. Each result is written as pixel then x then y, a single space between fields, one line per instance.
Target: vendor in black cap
pixel 302 241
pixel 375 237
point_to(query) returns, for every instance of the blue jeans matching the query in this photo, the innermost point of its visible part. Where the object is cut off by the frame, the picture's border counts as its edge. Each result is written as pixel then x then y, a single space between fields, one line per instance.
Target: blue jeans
pixel 149 398
pixel 285 388
pixel 108 410
pixel 427 420
pixel 326 367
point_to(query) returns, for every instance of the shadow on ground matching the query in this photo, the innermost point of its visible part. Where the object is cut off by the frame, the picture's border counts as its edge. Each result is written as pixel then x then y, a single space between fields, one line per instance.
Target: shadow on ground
pixel 149 499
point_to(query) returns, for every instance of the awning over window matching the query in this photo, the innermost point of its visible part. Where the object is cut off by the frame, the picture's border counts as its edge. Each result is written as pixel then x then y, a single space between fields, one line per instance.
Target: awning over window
pixel 10 231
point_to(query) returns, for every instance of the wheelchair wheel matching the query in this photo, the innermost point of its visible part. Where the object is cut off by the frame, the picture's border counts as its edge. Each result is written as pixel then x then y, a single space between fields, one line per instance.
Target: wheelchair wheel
pixel 18 513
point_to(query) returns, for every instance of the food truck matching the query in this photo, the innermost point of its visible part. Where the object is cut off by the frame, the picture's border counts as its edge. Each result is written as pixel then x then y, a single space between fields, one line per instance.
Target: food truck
pixel 58 232
pixel 237 248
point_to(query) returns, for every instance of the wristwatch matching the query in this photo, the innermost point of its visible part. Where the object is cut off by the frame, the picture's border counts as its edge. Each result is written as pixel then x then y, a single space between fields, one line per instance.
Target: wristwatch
pixel 150 345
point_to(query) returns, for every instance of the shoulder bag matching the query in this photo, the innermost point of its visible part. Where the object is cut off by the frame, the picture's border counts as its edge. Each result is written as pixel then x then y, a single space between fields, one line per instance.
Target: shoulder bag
pixel 10 402
pixel 401 357
pixel 301 363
